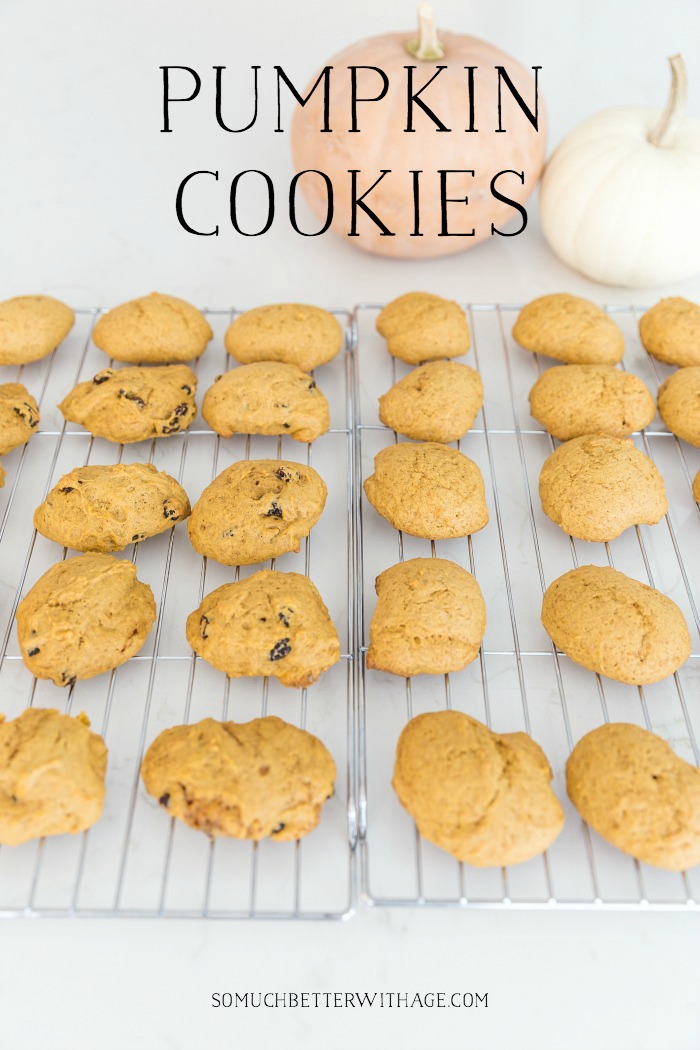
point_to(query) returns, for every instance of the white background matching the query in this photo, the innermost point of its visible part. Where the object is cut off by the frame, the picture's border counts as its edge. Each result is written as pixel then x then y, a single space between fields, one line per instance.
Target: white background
pixel 87 187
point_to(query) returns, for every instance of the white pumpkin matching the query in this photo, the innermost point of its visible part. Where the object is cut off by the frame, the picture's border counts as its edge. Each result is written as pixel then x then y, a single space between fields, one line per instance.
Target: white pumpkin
pixel 620 197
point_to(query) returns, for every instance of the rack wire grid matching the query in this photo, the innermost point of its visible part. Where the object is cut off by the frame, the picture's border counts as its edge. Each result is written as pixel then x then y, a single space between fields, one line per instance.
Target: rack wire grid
pixel 135 861
pixel 519 681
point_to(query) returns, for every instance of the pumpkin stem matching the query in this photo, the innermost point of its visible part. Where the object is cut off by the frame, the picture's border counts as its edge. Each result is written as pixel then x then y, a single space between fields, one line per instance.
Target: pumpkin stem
pixel 664 132
pixel 427 46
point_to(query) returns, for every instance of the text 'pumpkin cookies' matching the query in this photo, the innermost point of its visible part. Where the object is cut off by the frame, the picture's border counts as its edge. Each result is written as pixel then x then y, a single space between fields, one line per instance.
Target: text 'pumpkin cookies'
pixel 305 336
pixel 679 404
pixel 19 416
pixel 574 400
pixel 422 327
pixel 156 329
pixel 569 329
pixel 437 402
pixel 670 331
pixel 31 326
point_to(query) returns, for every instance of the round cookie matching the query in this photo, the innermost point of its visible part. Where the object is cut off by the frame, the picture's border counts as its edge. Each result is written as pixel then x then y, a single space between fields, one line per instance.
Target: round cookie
pixel 97 508
pixel 155 329
pixel 484 797
pixel 19 416
pixel 256 509
pixel 679 404
pixel 569 329
pixel 134 404
pixel 574 400
pixel 422 327
pixel 428 490
pixel 696 487
pixel 430 618
pixel 246 780
pixel 637 794
pixel 594 487
pixel 670 331
pixel 3 475
pixel 267 397
pixel 31 326
pixel 300 335
pixel 272 624
pixel 438 401
pixel 615 626
pixel 52 775
pixel 84 616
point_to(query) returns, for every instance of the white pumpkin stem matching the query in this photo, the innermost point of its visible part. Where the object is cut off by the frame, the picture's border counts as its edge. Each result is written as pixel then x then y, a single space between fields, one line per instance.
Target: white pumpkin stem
pixel 427 46
pixel 664 133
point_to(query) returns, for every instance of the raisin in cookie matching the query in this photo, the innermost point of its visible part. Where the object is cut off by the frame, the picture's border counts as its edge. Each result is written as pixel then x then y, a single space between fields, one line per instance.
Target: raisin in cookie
pixel 569 329
pixel 638 794
pixel 670 331
pixel 423 327
pixel 594 487
pixel 52 775
pixel 300 335
pixel 484 797
pixel 272 624
pixel 156 329
pixel 430 618
pixel 245 780
pixel 98 508
pixel 615 626
pixel 134 404
pixel 437 402
pixel 19 416
pixel 574 400
pixel 679 404
pixel 84 616
pixel 31 326
pixel 267 397
pixel 428 490
pixel 256 509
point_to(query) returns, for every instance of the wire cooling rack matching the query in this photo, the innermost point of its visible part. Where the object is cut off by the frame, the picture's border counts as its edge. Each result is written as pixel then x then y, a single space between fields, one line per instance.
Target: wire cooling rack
pixel 520 681
pixel 134 861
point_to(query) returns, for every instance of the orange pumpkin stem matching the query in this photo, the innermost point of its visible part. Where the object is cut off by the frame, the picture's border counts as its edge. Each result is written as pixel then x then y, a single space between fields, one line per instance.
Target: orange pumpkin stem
pixel 664 132
pixel 427 46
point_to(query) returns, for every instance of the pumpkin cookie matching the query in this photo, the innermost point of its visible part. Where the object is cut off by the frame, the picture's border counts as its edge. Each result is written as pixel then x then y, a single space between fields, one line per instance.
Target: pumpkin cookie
pixel 52 775
pixel 300 335
pixel 428 490
pixel 430 618
pixel 156 329
pixel 590 399
pixel 134 404
pixel 482 796
pixel 19 416
pixel 569 329
pixel 272 624
pixel 615 626
pixel 256 509
pixel 31 326
pixel 638 794
pixel 437 402
pixel 679 404
pixel 106 508
pixel 267 397
pixel 422 327
pixel 594 487
pixel 84 616
pixel 246 780
pixel 670 331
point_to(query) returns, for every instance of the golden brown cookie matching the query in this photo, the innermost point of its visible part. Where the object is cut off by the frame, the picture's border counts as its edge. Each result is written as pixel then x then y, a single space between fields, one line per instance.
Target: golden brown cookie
pixel 52 775
pixel 428 490
pixel 19 416
pixel 574 400
pixel 482 796
pixel 670 331
pixel 300 335
pixel 569 329
pixel 31 326
pixel 422 327
pixel 134 404
pixel 155 329
pixel 256 509
pixel 438 401
pixel 267 397
pixel 638 794
pixel 2 476
pixel 615 626
pixel 246 780
pixel 594 487
pixel 84 616
pixel 105 508
pixel 696 487
pixel 430 618
pixel 272 624
pixel 679 404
